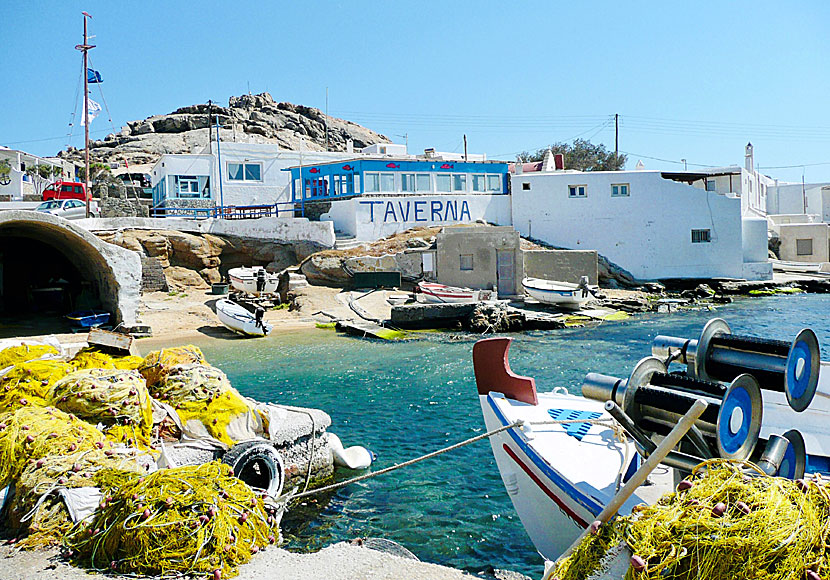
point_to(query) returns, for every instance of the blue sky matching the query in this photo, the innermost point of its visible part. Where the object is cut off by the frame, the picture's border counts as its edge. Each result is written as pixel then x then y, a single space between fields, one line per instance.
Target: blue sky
pixel 693 80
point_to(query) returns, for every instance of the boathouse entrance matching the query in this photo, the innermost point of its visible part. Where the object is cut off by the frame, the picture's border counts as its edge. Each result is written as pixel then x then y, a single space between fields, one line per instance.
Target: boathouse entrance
pixel 50 267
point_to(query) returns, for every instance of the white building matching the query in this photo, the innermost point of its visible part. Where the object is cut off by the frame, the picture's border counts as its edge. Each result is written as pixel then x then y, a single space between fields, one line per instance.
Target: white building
pixel 16 183
pixel 653 224
pixel 251 174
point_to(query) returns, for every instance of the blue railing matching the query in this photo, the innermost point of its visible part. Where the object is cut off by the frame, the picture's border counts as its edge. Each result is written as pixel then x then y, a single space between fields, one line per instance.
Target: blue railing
pixel 230 212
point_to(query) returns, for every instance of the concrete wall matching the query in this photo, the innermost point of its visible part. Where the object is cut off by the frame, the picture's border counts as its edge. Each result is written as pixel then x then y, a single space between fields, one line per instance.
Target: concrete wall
pixel 789 198
pixel 482 243
pixel 272 229
pixel 818 233
pixel 754 239
pixel 373 217
pixel 647 233
pixel 561 265
pixel 115 271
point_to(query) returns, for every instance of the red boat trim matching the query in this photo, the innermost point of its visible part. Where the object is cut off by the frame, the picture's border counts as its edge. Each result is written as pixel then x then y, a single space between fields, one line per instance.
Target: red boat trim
pixel 568 511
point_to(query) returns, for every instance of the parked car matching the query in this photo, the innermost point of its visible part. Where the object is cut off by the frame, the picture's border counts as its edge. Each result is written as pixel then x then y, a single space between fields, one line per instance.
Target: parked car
pixel 70 209
pixel 65 190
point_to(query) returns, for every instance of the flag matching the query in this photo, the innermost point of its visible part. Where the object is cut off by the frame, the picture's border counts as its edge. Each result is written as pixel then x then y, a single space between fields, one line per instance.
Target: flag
pixel 93 76
pixel 93 110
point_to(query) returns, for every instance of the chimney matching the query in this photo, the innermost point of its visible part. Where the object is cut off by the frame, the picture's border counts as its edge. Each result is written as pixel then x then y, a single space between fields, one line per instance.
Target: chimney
pixel 559 161
pixel 749 161
pixel 548 162
pixel 519 167
pixel 349 146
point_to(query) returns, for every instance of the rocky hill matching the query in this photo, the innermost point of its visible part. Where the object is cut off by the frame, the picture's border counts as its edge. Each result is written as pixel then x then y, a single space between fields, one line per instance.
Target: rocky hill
pixel 246 119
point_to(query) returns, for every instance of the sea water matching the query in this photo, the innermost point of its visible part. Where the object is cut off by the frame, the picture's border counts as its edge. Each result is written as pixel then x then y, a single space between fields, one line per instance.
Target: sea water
pixel 406 399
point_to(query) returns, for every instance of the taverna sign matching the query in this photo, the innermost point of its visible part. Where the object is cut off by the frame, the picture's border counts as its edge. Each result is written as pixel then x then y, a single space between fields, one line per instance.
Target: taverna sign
pixel 418 210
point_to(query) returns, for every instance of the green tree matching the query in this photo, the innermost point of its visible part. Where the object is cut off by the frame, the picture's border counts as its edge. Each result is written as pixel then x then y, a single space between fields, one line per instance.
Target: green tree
pixel 98 173
pixel 582 155
pixel 43 174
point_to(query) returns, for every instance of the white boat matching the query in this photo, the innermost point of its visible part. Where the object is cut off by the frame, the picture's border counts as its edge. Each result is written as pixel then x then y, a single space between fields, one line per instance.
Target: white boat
pixel 561 294
pixel 433 293
pixel 240 320
pixel 254 280
pixel 805 267
pixel 558 476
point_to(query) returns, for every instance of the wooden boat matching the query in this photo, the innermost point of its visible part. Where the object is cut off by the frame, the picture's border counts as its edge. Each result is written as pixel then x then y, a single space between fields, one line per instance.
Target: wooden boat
pixel 88 318
pixel 433 293
pixel 240 320
pixel 561 294
pixel 569 456
pixel 254 280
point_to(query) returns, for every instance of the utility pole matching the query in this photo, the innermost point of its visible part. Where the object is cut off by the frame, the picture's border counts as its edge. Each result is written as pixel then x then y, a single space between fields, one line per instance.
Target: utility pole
pixel 327 118
pixel 803 191
pixel 210 128
pixel 465 147
pixel 85 48
pixel 616 135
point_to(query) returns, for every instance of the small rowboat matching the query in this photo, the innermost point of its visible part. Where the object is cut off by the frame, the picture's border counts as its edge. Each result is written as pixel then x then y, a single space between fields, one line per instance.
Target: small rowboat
pixel 254 280
pixel 240 320
pixel 88 318
pixel 432 293
pixel 561 294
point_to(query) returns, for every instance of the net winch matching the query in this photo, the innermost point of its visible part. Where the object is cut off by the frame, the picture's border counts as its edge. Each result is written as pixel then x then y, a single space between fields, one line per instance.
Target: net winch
pixel 719 355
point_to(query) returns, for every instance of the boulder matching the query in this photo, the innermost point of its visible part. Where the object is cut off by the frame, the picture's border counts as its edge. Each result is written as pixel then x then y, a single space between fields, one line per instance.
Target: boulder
pixel 180 278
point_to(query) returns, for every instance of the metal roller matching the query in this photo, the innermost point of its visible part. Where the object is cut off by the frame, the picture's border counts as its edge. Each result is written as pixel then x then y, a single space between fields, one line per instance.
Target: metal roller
pixel 733 419
pixel 719 355
pixel 794 461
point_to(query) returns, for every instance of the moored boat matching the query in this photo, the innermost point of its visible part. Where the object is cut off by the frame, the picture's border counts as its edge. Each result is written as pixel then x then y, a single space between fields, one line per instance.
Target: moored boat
pixel 240 320
pixel 561 294
pixel 433 293
pixel 254 280
pixel 88 318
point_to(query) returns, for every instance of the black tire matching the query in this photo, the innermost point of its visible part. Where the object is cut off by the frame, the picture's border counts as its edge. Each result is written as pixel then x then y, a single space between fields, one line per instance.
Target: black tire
pixel 258 464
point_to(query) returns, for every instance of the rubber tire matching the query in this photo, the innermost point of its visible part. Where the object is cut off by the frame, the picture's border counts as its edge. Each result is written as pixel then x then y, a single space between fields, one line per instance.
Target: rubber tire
pixel 256 462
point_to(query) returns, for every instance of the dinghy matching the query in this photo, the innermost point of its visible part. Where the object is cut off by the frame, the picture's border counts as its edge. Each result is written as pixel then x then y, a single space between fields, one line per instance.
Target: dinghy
pixel 254 280
pixel 561 294
pixel 240 320
pixel 569 455
pixel 432 293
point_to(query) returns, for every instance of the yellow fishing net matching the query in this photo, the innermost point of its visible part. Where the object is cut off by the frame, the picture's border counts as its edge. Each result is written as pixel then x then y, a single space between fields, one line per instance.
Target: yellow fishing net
pixel 45 522
pixel 31 433
pixel 18 354
pixel 92 358
pixel 159 362
pixel 722 523
pixel 113 397
pixel 196 519
pixel 28 383
pixel 206 402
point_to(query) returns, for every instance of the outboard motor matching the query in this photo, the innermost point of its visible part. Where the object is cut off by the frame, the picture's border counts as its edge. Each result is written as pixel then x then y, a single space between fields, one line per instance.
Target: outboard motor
pixel 260 280
pixel 259 313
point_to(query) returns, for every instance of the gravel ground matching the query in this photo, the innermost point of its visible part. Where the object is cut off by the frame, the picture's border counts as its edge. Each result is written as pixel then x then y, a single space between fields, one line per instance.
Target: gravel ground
pixel 337 562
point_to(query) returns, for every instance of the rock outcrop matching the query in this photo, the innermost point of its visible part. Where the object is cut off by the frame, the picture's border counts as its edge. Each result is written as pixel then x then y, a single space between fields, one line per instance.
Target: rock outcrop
pixel 246 119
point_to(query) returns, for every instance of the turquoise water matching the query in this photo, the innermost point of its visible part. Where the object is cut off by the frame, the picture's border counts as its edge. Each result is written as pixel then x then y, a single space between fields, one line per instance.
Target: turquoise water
pixel 406 399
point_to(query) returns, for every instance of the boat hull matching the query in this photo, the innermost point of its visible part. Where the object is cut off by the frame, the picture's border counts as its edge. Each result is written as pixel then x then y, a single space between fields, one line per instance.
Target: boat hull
pixel 563 297
pixel 239 320
pixel 440 294
pixel 245 280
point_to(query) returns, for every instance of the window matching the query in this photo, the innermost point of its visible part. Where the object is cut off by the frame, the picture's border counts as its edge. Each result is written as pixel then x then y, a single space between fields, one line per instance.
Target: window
pixel 804 247
pixel 423 182
pixel 443 182
pixel 372 182
pixel 78 189
pixel 525 186
pixel 244 172
pixel 577 191
pixel 494 183
pixel 387 182
pixel 619 190
pixel 479 183
pixel 188 185
pixel 701 236
pixel 459 182
pixel 407 182
pixel 466 261
pixel 315 187
pixel 711 185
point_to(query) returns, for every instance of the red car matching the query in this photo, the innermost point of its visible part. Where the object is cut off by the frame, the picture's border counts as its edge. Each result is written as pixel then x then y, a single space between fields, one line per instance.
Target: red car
pixel 66 190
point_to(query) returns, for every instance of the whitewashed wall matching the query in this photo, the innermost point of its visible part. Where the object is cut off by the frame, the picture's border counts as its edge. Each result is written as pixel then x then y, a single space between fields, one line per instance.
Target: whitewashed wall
pixel 374 217
pixel 647 233
pixel 788 198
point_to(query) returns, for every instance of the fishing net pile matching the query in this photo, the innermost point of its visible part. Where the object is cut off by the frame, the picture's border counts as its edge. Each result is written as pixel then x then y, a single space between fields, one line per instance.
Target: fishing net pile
pixel 198 520
pixel 722 522
pixel 81 434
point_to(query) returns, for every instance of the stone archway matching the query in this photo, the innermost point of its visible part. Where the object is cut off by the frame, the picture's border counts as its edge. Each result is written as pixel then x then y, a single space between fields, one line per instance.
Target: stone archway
pixel 40 252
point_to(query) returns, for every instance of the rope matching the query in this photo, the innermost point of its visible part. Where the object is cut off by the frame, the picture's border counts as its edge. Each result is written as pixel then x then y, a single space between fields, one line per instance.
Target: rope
pixel 397 466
